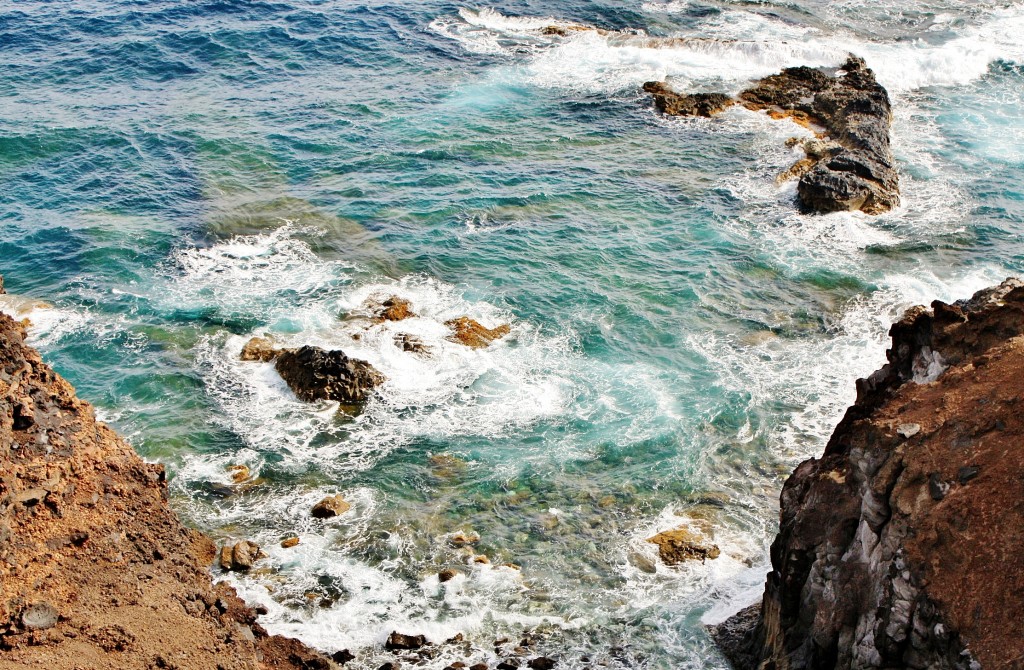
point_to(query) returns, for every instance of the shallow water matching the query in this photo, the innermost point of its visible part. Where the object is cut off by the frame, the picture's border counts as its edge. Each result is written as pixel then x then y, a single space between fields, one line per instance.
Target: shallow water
pixel 181 177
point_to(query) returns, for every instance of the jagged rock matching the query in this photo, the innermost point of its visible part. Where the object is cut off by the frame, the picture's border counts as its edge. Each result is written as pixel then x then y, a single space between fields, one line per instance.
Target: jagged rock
pixel 313 373
pixel 471 333
pixel 399 641
pixel 393 309
pixel 259 349
pixel 886 555
pixel 682 544
pixel 329 507
pixel 240 556
pixel 289 542
pixel 854 168
pixel 678 104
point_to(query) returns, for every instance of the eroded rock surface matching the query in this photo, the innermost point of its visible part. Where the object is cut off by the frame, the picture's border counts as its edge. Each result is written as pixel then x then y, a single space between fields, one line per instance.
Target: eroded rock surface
pixel 682 544
pixel 900 546
pixel 472 333
pixel 856 170
pixel 96 571
pixel 313 373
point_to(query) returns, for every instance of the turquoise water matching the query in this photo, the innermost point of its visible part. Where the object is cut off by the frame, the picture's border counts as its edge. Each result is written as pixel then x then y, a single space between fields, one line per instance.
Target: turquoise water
pixel 180 177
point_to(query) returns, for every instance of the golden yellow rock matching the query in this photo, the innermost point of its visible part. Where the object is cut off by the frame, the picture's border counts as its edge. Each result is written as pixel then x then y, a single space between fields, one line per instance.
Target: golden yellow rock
pixel 682 544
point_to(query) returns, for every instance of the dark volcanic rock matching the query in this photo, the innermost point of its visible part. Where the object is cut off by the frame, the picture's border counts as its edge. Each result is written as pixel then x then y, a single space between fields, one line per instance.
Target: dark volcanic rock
pixel 902 550
pixel 313 373
pixel 400 641
pixel 678 104
pixel 852 109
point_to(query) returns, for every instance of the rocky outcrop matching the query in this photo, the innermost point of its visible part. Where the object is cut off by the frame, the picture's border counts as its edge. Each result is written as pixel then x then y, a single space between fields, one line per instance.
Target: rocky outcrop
pixel 96 571
pixel 678 104
pixel 900 546
pixel 329 507
pixel 856 169
pixel 393 309
pixel 259 349
pixel 682 544
pixel 313 373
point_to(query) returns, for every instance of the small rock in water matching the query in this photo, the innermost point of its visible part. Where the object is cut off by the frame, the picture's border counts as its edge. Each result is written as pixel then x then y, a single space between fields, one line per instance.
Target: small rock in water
pixel 447 575
pixel 478 666
pixel 509 664
pixel 681 544
pixel 395 309
pixel 542 663
pixel 259 349
pixel 642 562
pixel 399 641
pixel 393 665
pixel 240 556
pixel 342 657
pixel 290 542
pixel 967 473
pixel 39 616
pixel 464 539
pixel 329 507
pixel 411 344
pixel 471 333
pixel 908 430
pixel 313 373
pixel 239 473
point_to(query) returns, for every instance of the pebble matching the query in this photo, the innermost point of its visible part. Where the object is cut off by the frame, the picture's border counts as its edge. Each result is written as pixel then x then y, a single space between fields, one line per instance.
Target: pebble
pixel 908 430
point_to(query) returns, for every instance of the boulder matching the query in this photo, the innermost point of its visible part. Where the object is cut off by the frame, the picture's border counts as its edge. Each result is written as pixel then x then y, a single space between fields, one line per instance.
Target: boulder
pixel 542 663
pixel 404 642
pixel 342 657
pixel 682 544
pixel 447 575
pixel 313 374
pixel 330 506
pixel 259 349
pixel 240 556
pixel 678 104
pixel 392 308
pixel 289 542
pixel 471 333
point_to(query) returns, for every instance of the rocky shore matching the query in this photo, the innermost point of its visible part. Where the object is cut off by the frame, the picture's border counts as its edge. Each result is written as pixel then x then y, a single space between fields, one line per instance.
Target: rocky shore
pixel 96 571
pixel 849 166
pixel 900 546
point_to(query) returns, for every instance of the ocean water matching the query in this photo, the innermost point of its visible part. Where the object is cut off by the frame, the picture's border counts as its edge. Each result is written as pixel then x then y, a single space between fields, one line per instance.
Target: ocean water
pixel 179 177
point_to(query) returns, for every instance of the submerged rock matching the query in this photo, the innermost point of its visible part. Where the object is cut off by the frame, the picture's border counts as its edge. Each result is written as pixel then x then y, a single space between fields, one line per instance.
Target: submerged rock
pixel 889 553
pixel 411 344
pixel 313 373
pixel 682 544
pixel 471 333
pixel 239 473
pixel 855 168
pixel 330 506
pixel 679 104
pixel 259 349
pixel 240 556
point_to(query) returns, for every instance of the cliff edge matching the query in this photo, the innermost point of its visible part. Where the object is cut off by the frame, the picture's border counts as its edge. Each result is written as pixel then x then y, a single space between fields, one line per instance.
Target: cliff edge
pixel 901 546
pixel 96 571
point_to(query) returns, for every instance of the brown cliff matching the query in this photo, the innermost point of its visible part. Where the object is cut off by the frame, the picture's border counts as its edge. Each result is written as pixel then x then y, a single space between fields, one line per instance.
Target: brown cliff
pixel 96 571
pixel 901 546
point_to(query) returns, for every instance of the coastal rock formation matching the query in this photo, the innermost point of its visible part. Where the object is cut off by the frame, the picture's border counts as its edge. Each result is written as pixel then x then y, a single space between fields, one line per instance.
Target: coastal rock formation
pixel 680 545
pixel 856 171
pixel 313 373
pixel 96 571
pixel 240 556
pixel 900 546
pixel 471 333
pixel 394 309
pixel 259 349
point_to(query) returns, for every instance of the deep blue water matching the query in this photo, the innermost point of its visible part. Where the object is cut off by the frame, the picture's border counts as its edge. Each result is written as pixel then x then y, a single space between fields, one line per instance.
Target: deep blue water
pixel 178 177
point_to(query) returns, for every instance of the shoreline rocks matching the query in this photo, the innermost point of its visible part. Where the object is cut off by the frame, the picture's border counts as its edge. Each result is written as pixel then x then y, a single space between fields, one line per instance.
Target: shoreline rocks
pixel 893 545
pixel 856 169
pixel 473 334
pixel 96 570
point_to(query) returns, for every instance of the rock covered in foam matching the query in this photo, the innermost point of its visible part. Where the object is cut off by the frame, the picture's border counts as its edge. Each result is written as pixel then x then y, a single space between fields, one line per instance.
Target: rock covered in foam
pixel 313 373
pixel 896 544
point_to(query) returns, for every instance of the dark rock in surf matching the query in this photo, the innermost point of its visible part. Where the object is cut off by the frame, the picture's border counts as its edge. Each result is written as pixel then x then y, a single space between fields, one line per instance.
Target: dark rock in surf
pixel 313 373
pixel 678 104
pixel 856 169
pixel 342 657
pixel 404 642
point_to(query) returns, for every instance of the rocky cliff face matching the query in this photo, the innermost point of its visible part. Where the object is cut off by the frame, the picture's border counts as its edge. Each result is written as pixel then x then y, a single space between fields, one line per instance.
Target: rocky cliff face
pixel 901 546
pixel 96 571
